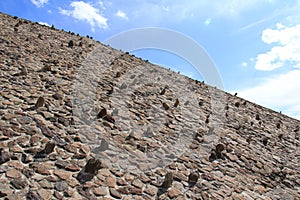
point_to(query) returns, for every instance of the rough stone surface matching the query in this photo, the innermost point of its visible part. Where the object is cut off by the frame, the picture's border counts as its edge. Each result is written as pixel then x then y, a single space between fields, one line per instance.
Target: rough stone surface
pixel 173 192
pixel 64 175
pixel 145 124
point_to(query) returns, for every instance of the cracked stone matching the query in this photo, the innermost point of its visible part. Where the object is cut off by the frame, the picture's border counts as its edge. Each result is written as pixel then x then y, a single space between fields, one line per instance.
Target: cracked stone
pixel 19 183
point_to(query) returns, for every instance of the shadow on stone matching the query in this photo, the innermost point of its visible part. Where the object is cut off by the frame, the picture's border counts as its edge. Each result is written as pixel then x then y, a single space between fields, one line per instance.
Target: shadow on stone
pixel 193 178
pixel 217 153
pixel 103 147
pixel 46 151
pixel 166 184
pixel 89 170
pixel 4 156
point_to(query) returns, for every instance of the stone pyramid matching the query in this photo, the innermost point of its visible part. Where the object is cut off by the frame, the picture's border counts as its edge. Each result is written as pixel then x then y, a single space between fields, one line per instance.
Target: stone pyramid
pixel 81 120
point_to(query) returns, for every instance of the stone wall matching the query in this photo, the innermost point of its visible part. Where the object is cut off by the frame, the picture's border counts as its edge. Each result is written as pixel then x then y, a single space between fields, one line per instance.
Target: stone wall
pixel 80 120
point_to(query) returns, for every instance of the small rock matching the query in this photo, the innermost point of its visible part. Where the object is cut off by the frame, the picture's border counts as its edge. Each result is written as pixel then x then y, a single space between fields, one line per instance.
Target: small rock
pixel 58 96
pixel 61 164
pixel 135 191
pixel 43 169
pixel 144 178
pixel 100 191
pixel 261 189
pixel 168 180
pixel 58 195
pixel 148 133
pixel 19 183
pixel 70 43
pixel 151 190
pixel 105 172
pixel 46 184
pixel 46 68
pixel 137 183
pixel 193 178
pixel 193 146
pixel 46 131
pixel 110 91
pixel 102 113
pixel 103 146
pixel 13 173
pixel 166 107
pixel 32 196
pixel 109 118
pixel 118 74
pixel 265 141
pixel 205 196
pixel 232 157
pixel 173 192
pixel 64 175
pixel 23 72
pixel 92 166
pixel 114 193
pixel 28 172
pixel 123 86
pixel 207 120
pixel 89 170
pixel 111 182
pixel 40 102
pixel 4 169
pixel 49 147
pixel 4 156
pixel 212 156
pixel 61 186
pixel 121 182
pixel 163 91
pixel 25 158
pixel 200 103
pixel 63 121
pixel 5 189
pixel 44 194
pixel 129 177
pixel 220 148
pixel 176 103
pixel 257 117
pixel 72 167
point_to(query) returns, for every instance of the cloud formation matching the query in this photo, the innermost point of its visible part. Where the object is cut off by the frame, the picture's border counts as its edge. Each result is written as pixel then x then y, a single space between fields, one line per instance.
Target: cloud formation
pixel 121 14
pixel 39 3
pixel 181 10
pixel 44 23
pixel 85 12
pixel 280 92
pixel 286 51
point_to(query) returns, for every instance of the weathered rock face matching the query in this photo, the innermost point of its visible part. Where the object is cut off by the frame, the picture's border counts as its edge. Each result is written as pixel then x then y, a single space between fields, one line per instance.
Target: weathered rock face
pixel 81 120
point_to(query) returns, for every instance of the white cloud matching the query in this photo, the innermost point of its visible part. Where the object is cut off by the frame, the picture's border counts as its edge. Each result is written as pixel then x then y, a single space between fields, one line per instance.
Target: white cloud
pixel 244 64
pixel 235 7
pixel 207 21
pixel 178 10
pixel 44 23
pixel 280 93
pixel 287 50
pixel 39 3
pixel 85 12
pixel 280 26
pixel 121 14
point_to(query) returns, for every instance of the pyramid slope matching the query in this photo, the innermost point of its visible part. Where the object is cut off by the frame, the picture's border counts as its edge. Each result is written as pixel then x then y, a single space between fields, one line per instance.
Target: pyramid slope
pixel 80 120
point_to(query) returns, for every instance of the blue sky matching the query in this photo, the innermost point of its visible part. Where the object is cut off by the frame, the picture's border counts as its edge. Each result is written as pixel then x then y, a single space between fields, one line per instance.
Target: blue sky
pixel 255 44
